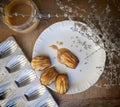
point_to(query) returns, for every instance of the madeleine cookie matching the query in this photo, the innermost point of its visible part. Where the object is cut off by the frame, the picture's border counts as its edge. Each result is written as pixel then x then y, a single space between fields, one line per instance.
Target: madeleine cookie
pixel 48 76
pixel 67 58
pixel 40 62
pixel 62 83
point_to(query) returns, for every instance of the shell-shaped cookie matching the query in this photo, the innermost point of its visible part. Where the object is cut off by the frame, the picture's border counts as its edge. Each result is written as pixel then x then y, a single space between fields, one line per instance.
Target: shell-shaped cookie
pixel 48 76
pixel 40 62
pixel 67 58
pixel 62 83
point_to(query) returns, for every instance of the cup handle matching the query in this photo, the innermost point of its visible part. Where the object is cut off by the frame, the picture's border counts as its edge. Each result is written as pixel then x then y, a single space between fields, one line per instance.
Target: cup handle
pixel 43 15
pixel 1 7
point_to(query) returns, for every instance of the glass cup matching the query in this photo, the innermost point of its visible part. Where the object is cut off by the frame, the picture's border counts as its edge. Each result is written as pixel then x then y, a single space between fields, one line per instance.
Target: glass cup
pixel 20 15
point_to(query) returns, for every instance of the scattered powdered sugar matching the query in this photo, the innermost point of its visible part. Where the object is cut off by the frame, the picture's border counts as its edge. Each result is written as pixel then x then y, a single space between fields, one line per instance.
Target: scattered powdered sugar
pixel 105 22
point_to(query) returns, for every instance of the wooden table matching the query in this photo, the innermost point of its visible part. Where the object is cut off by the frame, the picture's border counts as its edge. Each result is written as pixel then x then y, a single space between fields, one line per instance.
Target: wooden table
pixel 93 97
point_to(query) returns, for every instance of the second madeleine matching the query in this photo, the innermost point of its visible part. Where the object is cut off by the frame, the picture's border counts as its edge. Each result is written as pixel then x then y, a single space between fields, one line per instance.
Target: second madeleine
pixel 40 62
pixel 48 76
pixel 66 57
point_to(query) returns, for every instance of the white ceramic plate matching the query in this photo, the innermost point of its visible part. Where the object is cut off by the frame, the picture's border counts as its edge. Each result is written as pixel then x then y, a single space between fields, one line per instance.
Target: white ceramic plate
pixel 76 36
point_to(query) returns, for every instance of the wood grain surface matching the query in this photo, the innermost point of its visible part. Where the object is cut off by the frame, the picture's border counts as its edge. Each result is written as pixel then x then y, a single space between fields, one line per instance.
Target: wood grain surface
pixel 93 97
